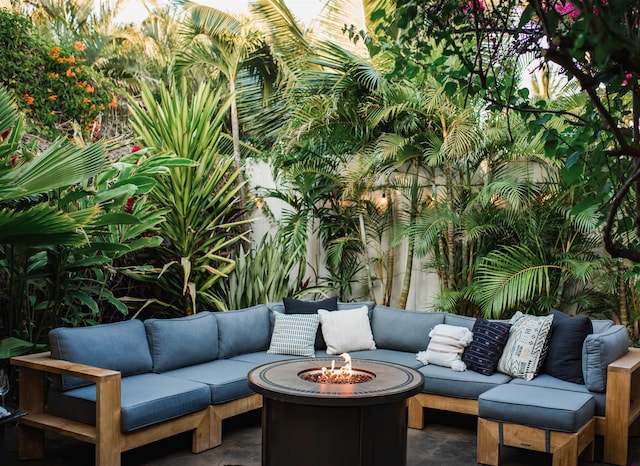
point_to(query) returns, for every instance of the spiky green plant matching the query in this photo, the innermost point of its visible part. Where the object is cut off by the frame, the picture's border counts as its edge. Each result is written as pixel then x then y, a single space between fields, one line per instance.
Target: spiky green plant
pixel 202 201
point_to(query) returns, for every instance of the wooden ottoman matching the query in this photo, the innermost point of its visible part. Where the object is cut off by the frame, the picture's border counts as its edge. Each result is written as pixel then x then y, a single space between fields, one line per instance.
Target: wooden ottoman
pixel 536 418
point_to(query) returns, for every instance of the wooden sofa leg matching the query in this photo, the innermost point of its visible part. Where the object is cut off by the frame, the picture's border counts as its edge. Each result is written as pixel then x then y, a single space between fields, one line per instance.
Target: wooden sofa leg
pixel 30 443
pixel 488 442
pixel 203 434
pixel 565 452
pixel 216 427
pixel 416 413
pixel 108 421
pixel 31 439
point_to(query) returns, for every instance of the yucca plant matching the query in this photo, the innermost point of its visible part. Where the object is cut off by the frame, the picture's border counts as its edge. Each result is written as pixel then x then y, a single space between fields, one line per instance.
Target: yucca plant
pixel 203 212
pixel 269 272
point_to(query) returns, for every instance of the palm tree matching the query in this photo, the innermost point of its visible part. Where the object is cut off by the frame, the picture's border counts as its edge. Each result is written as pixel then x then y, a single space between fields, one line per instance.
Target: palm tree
pixel 222 46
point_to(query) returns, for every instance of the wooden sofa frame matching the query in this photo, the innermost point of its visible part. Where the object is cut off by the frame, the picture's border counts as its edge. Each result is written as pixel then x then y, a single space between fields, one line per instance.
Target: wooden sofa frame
pixel 622 411
pixel 106 435
pixel 622 407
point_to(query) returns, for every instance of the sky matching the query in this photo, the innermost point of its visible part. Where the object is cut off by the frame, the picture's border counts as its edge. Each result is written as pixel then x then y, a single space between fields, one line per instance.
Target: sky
pixel 303 9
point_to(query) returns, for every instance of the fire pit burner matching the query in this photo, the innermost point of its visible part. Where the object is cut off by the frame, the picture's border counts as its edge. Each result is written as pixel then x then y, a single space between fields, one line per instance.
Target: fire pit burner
pixel 321 376
pixel 361 424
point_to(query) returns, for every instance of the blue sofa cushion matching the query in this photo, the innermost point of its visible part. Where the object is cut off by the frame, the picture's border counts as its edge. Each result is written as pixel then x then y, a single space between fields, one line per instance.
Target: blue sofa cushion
pixel 443 381
pixel 548 381
pixel 119 346
pixel 564 356
pixel 385 355
pixel 226 378
pixel 297 306
pixel 544 408
pixel 600 350
pixel 243 331
pixel 400 330
pixel 489 339
pixel 146 400
pixel 182 341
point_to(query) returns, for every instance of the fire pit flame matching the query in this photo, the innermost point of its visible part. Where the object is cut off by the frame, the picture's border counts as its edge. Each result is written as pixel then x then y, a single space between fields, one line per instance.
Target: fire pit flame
pixel 343 375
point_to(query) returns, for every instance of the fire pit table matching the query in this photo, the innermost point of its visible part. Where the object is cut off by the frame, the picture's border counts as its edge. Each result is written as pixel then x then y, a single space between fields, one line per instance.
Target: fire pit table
pixel 320 423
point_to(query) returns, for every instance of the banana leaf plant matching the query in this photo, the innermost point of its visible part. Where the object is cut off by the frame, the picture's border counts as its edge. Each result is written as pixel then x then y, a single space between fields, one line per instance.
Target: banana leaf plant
pixel 63 222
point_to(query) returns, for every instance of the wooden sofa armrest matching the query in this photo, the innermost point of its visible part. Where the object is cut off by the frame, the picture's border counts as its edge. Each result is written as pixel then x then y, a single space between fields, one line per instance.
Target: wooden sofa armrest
pixel 622 405
pixel 45 363
pixel 32 400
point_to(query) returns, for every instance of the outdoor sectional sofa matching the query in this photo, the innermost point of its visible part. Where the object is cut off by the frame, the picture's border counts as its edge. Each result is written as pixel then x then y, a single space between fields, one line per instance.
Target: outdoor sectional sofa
pixel 126 384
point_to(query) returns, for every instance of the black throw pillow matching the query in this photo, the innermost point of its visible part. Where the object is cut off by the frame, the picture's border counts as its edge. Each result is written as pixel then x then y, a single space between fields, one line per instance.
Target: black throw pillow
pixel 489 339
pixel 564 356
pixel 297 306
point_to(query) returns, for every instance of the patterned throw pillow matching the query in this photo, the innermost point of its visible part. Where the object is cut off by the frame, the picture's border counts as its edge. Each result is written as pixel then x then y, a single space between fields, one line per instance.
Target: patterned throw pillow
pixel 526 347
pixel 489 338
pixel 294 334
pixel 446 346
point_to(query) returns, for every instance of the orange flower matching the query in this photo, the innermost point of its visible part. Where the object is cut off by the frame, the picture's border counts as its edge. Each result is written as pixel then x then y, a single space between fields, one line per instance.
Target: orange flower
pixel 86 100
pixel 101 106
pixel 81 84
pixel 90 89
pixel 71 59
pixel 114 102
pixel 93 108
pixel 55 52
pixel 79 46
pixel 70 72
pixel 53 97
pixel 29 99
pixel 53 75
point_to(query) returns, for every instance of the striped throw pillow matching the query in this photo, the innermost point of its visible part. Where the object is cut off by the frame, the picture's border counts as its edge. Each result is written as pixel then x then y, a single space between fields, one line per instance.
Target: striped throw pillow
pixel 294 334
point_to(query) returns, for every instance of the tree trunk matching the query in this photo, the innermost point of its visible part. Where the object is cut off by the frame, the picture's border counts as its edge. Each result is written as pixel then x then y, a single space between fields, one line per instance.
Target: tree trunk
pixel 235 133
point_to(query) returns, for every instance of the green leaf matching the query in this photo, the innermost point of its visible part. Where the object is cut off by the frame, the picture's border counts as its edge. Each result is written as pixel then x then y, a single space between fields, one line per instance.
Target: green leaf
pixel 117 218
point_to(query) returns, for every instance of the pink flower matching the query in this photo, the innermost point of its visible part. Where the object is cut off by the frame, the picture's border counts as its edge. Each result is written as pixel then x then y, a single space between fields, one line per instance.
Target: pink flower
pixel 626 79
pixel 568 10
pixel 474 4
pixel 136 148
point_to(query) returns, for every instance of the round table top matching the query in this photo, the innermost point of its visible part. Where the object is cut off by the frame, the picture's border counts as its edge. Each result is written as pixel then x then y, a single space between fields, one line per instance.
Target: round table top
pixel 281 381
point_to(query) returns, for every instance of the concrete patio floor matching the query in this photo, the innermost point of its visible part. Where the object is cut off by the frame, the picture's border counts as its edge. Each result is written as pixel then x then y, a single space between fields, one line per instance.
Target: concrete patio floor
pixel 448 440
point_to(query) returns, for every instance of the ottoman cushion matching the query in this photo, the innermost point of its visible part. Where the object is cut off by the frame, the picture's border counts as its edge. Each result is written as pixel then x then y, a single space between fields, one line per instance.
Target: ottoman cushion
pixel 539 407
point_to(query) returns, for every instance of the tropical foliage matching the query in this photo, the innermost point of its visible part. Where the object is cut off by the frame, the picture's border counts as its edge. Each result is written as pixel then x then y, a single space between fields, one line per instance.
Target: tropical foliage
pixel 203 216
pixel 64 224
pixel 442 154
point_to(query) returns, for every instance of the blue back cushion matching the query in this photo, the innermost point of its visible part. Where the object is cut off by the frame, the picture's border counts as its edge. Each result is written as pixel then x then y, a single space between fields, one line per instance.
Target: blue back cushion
pixel 400 330
pixel 243 331
pixel 600 350
pixel 182 341
pixel 120 346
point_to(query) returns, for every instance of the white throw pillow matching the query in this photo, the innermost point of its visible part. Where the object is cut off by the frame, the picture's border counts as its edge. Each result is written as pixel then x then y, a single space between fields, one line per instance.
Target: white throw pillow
pixel 294 334
pixel 348 330
pixel 526 347
pixel 446 347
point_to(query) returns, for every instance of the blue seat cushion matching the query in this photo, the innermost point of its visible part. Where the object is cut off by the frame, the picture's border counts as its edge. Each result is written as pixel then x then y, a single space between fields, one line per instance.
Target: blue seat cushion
pixel 182 341
pixel 226 379
pixel 544 408
pixel 440 380
pixel 146 399
pixel 119 346
pixel 262 357
pixel 386 355
pixel 548 381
